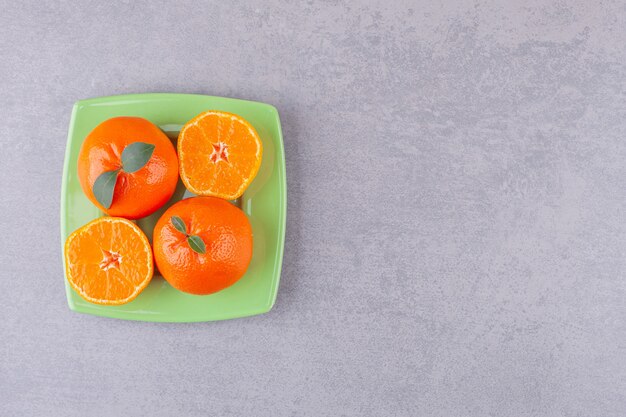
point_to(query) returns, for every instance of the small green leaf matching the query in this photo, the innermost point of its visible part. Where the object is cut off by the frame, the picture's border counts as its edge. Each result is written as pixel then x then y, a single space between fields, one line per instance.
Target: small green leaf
pixel 104 187
pixel 179 224
pixel 196 243
pixel 136 155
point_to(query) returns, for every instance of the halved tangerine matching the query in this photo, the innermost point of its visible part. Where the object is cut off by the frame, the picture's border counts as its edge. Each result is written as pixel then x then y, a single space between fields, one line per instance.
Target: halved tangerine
pixel 108 261
pixel 219 154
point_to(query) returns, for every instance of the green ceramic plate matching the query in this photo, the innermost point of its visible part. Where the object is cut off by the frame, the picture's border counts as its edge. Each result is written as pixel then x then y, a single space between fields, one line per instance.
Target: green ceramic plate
pixel 265 203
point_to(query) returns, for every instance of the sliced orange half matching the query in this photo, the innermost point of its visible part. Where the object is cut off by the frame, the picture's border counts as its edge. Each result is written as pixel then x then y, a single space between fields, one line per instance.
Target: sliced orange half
pixel 219 154
pixel 108 261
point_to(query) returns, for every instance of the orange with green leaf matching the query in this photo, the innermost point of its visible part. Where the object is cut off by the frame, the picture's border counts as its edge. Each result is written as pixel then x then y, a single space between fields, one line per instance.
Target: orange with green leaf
pixel 128 167
pixel 202 245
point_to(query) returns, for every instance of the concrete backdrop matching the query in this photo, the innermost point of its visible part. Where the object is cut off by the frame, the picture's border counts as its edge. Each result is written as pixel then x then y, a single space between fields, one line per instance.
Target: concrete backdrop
pixel 456 227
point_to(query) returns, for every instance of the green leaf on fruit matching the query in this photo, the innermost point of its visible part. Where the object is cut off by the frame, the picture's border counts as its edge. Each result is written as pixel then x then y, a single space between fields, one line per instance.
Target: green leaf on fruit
pixel 179 224
pixel 136 155
pixel 104 187
pixel 196 243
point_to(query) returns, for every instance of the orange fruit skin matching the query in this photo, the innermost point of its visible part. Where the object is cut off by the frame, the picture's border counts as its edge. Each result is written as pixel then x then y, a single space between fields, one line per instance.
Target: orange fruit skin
pixel 219 154
pixel 137 194
pixel 89 274
pixel 227 234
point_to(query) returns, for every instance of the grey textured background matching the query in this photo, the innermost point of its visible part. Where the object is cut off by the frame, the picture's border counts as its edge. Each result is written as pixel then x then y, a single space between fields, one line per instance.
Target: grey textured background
pixel 456 227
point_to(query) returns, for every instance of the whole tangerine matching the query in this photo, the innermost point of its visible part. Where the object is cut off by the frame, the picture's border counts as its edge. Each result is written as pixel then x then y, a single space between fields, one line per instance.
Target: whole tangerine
pixel 202 245
pixel 130 165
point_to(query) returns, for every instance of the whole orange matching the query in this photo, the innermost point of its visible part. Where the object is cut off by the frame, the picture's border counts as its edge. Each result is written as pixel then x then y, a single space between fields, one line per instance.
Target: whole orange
pixel 202 244
pixel 134 194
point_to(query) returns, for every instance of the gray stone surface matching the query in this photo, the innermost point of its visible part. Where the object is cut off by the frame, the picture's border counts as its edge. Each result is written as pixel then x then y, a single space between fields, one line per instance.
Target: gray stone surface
pixel 456 229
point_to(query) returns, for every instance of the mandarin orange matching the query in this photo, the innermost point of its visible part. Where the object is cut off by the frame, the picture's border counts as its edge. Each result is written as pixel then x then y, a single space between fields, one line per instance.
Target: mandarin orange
pixel 108 261
pixel 202 245
pixel 219 153
pixel 128 167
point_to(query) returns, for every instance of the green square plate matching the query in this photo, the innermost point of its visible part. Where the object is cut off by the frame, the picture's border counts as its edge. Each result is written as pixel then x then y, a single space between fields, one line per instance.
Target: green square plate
pixel 265 203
